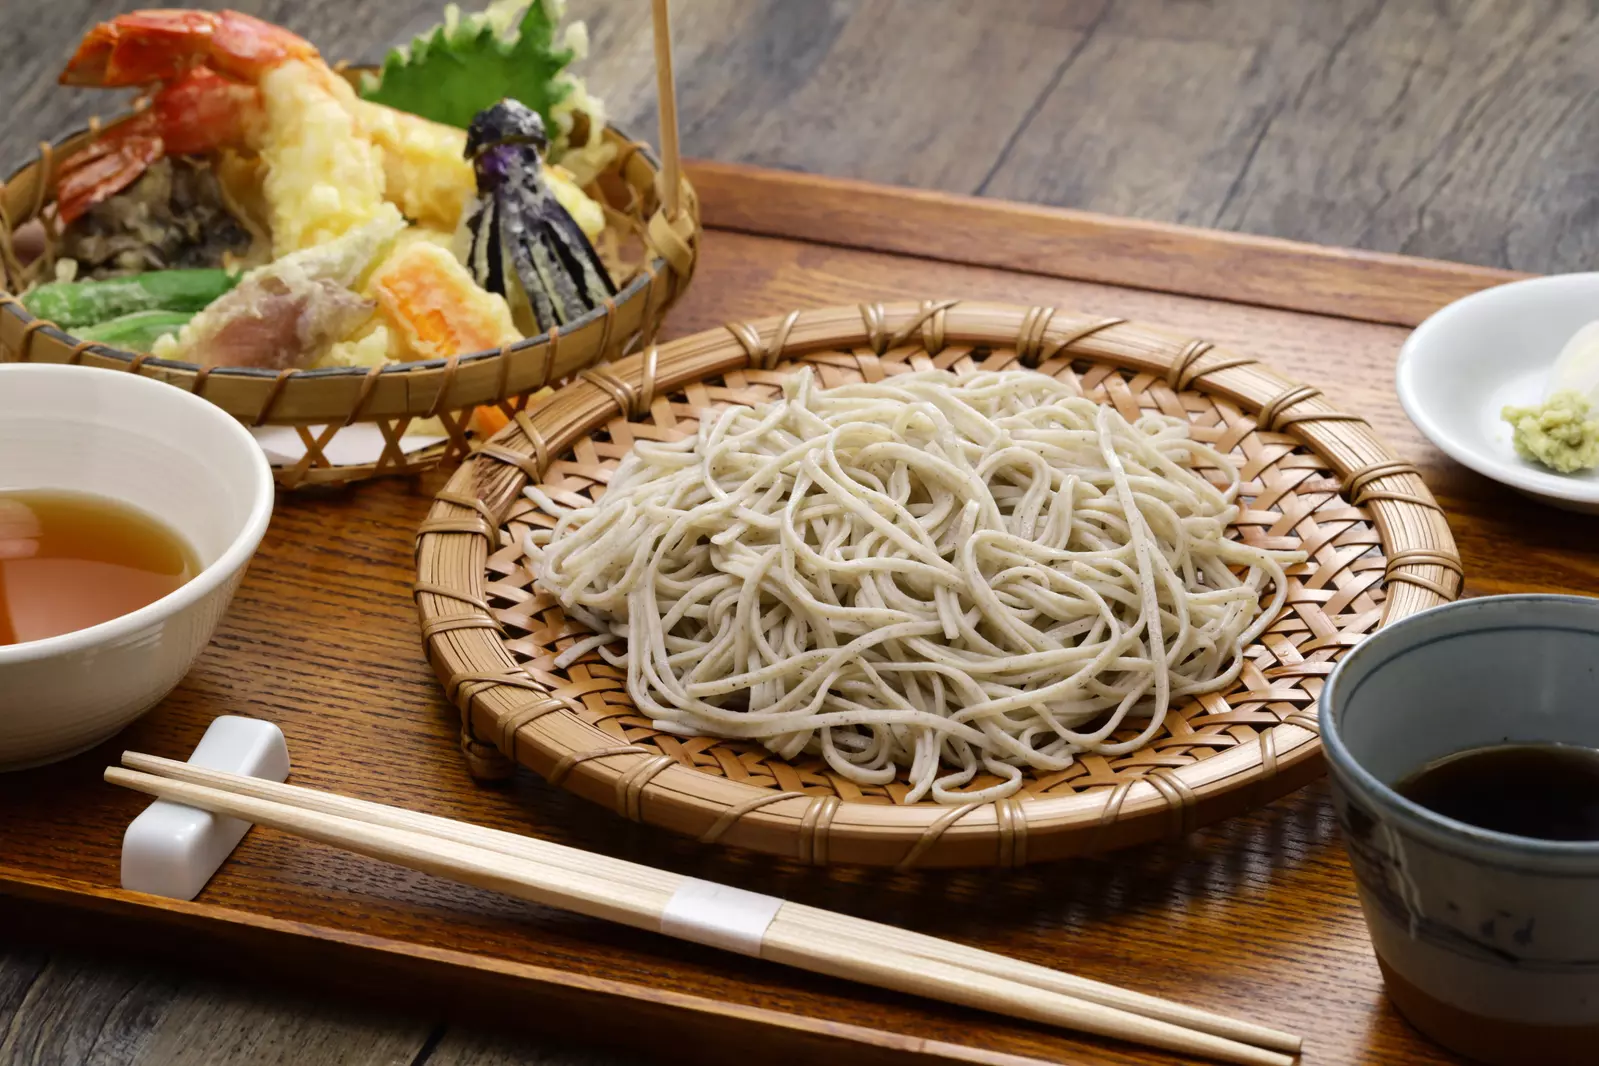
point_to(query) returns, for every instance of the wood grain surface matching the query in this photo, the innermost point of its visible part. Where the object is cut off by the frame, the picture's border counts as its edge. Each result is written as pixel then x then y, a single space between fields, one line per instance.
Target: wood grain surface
pixel 72 1010
pixel 1364 286
pixel 1452 128
pixel 1458 129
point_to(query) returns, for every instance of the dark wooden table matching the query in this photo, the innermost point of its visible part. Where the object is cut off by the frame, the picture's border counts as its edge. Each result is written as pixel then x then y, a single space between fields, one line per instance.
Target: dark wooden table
pixel 1447 130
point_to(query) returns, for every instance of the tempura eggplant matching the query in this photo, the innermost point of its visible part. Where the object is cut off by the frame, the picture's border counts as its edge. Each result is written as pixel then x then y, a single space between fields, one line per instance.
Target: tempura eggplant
pixel 520 242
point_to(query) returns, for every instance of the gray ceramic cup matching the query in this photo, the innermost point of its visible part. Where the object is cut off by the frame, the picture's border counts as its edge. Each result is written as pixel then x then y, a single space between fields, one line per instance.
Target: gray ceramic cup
pixel 1488 943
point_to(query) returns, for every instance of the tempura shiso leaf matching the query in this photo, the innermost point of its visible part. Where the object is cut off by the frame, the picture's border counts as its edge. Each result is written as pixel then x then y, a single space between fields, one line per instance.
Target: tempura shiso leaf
pixel 1561 433
pixel 520 242
pixel 464 65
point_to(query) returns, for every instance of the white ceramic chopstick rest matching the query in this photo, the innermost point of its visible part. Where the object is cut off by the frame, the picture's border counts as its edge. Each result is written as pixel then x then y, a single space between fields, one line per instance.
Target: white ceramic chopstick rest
pixel 172 850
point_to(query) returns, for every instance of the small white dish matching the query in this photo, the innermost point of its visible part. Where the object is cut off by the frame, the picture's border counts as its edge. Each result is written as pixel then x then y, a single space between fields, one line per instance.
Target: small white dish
pixel 169 453
pixel 1461 366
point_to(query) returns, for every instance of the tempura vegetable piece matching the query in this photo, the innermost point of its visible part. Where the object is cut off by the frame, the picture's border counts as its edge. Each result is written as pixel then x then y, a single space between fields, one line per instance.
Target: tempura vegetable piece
pixel 291 311
pixel 424 168
pixel 520 241
pixel 369 346
pixel 278 320
pixel 1561 433
pixel 489 419
pixel 432 304
pixel 138 331
pixel 173 215
pixel 241 180
pixel 432 236
pixel 86 303
pixel 427 175
pixel 588 215
pixel 323 178
pixel 578 139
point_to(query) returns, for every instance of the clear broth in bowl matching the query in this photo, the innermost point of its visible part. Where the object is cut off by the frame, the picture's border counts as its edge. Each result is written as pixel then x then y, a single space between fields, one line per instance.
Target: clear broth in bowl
pixel 70 560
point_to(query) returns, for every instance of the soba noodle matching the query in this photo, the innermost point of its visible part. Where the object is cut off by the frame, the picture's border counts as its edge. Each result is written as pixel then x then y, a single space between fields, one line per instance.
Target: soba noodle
pixel 934 575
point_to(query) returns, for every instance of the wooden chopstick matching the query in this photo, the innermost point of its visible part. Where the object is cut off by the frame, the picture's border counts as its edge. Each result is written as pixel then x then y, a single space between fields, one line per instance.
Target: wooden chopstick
pixel 400 818
pixel 621 870
pixel 950 951
pixel 636 895
pixel 660 880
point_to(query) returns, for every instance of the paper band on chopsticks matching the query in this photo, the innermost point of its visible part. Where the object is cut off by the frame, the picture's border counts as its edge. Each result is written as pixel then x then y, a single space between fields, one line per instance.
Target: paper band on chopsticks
pixel 719 915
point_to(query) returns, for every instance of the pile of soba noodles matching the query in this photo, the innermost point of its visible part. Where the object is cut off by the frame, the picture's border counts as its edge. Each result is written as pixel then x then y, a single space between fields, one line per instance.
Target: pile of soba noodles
pixel 934 575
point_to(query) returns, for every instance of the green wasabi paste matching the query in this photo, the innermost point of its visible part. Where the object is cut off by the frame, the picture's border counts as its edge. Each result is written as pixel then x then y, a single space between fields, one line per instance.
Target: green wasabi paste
pixel 1560 433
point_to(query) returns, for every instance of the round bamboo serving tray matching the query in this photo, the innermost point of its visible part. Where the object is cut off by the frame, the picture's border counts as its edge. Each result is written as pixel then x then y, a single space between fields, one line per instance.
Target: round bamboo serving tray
pixel 1316 480
pixel 393 396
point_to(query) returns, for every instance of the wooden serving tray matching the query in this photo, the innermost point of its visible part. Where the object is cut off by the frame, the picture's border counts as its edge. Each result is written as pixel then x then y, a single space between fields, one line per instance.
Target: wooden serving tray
pixel 1256 916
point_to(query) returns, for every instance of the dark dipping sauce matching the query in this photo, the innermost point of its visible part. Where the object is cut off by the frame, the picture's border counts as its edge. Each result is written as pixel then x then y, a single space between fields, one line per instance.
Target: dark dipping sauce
pixel 1545 791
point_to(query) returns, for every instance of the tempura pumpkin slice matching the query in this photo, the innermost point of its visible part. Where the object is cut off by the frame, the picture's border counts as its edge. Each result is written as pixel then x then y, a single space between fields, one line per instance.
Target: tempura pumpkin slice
pixel 435 308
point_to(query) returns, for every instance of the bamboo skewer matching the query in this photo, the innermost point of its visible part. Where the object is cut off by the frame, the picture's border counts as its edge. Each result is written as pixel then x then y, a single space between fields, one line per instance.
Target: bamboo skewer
pixel 666 103
pixel 621 870
pixel 636 895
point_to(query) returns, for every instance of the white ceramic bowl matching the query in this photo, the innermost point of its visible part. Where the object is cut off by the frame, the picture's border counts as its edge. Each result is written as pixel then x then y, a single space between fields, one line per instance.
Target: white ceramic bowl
pixel 1459 368
pixel 159 448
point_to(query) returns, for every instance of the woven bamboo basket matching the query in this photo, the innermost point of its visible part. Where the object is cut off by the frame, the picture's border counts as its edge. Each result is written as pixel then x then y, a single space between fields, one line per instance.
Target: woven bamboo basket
pixel 391 397
pixel 1316 480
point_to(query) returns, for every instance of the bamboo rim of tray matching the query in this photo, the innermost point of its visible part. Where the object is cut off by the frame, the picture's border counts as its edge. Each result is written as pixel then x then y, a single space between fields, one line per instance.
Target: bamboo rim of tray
pixel 319 403
pixel 1319 479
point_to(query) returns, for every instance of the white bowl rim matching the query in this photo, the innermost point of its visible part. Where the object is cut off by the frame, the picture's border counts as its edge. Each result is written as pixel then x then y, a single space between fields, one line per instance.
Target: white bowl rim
pixel 1528 479
pixel 196 588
